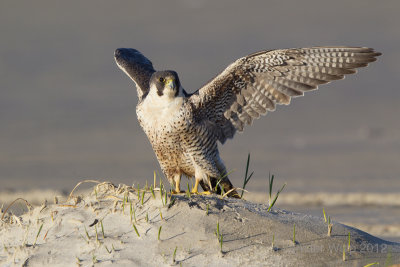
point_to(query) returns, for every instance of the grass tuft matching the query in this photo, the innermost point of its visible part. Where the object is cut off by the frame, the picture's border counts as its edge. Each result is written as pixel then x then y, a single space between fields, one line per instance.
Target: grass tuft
pixel 220 180
pixel 142 199
pixel 188 194
pixel 159 233
pixel 271 202
pixel 246 178
pixel 329 226
pixel 323 210
pixel 94 259
pixel 348 244
pixel 174 255
pixel 136 230
pixel 87 241
pixel 220 237
pixel 344 252
pixel 38 233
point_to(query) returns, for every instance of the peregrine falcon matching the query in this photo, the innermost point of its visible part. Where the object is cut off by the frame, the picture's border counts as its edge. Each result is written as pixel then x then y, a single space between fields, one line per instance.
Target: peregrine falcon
pixel 184 128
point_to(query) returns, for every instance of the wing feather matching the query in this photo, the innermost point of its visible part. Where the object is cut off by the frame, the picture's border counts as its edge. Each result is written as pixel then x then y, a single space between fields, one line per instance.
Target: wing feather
pixel 137 67
pixel 255 84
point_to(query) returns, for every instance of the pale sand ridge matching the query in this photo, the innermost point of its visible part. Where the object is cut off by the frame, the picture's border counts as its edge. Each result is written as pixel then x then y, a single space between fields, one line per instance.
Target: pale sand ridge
pixel 247 230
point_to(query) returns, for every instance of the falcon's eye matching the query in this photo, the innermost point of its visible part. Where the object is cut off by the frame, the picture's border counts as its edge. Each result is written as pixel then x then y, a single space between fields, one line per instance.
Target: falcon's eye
pixel 161 79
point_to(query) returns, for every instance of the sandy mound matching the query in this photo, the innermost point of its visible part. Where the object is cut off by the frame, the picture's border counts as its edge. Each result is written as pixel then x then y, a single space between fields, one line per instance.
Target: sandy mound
pixel 99 229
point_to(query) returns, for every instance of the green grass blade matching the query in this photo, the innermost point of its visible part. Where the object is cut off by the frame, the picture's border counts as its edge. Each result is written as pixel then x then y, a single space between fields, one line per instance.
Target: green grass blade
pixel 174 255
pixel 246 176
pixel 270 182
pixel 159 233
pixel 276 197
pixel 294 234
pixel 136 230
pixel 38 233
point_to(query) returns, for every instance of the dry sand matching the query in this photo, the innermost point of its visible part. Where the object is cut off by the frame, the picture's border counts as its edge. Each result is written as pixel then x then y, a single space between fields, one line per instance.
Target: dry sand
pixel 247 230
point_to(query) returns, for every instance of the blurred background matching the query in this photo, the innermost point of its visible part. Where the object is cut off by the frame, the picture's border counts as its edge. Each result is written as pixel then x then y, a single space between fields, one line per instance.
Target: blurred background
pixel 68 113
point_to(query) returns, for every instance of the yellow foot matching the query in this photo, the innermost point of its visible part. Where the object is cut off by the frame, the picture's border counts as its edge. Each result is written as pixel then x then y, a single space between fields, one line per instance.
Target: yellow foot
pixel 194 191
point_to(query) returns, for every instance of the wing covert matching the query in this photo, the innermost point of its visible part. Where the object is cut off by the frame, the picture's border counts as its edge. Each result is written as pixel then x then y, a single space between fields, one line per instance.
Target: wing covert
pixel 255 84
pixel 137 67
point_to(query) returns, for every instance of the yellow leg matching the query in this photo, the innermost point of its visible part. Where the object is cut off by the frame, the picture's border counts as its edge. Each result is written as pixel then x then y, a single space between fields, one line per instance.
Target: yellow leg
pixel 177 181
pixel 196 187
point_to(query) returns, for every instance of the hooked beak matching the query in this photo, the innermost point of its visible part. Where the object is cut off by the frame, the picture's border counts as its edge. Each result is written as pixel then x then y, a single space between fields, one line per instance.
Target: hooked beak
pixel 171 84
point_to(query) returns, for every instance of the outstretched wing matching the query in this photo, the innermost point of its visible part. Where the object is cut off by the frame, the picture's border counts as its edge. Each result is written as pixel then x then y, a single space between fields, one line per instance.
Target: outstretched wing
pixel 137 67
pixel 255 84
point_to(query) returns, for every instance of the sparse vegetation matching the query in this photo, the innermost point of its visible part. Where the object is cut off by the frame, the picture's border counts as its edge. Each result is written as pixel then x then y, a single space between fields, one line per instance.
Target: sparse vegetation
pixel 142 199
pixel 246 176
pixel 123 195
pixel 174 255
pixel 188 194
pixel 136 230
pixel 271 202
pixel 159 233
pixel 109 251
pixel 348 245
pixel 329 226
pixel 344 252
pixel 38 233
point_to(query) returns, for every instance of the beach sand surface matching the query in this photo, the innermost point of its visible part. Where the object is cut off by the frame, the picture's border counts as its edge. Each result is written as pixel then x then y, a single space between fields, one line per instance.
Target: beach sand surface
pixel 96 228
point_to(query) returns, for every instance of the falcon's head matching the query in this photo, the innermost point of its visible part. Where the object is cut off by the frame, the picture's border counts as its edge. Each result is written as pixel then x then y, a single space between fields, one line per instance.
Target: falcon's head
pixel 165 84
